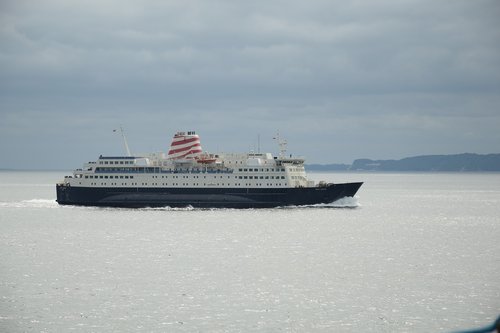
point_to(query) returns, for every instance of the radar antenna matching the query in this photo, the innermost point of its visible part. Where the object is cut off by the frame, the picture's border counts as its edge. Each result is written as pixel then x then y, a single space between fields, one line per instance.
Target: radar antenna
pixel 282 144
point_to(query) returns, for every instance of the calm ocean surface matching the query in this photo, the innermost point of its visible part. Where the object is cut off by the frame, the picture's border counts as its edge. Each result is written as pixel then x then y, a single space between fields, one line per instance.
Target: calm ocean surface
pixel 413 253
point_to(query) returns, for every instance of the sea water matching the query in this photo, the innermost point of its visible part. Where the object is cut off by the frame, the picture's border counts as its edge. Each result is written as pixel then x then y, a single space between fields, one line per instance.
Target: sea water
pixel 411 253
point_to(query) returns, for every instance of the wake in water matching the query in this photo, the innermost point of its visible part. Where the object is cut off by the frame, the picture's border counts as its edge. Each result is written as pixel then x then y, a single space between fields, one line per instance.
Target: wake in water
pixel 347 202
pixel 174 209
pixel 32 203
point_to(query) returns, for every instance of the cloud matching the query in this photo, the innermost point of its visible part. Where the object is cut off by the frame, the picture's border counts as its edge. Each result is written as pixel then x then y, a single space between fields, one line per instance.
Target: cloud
pixel 343 79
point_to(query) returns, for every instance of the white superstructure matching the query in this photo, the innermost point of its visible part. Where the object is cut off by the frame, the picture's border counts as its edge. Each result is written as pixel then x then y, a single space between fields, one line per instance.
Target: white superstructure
pixel 187 166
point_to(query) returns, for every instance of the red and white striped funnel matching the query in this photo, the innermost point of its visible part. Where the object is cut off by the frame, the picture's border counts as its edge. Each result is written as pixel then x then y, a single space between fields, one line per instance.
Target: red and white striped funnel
pixel 185 146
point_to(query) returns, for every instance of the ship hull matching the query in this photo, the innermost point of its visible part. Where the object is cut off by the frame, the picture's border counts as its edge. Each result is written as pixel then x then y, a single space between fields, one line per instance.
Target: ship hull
pixel 137 197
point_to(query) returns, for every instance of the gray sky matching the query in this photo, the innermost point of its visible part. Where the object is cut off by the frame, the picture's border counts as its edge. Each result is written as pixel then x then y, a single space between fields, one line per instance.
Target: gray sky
pixel 340 79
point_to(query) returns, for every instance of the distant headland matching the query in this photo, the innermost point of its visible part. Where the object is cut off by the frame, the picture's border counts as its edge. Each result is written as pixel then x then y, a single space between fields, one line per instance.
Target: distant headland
pixel 451 163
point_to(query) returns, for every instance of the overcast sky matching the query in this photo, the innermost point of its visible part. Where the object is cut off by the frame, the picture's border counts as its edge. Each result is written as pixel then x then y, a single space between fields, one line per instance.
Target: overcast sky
pixel 339 79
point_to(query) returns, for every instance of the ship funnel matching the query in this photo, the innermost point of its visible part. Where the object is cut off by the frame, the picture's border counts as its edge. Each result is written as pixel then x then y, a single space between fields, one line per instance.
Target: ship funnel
pixel 185 146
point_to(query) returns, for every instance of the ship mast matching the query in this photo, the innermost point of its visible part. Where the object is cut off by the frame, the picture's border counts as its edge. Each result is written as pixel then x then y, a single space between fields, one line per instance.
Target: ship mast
pixel 125 141
pixel 282 144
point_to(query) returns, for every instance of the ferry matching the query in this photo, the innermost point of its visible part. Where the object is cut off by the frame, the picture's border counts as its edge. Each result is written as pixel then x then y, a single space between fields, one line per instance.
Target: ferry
pixel 187 176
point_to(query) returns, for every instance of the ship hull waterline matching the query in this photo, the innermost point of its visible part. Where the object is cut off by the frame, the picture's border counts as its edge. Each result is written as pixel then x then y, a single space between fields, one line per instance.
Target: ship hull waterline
pixel 142 197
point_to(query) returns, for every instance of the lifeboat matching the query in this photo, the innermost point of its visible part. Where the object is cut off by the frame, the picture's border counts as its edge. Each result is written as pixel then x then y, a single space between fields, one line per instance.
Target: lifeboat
pixel 206 159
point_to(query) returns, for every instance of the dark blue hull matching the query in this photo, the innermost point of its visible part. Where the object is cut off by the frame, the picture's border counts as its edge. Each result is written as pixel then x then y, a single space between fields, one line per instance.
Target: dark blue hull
pixel 135 197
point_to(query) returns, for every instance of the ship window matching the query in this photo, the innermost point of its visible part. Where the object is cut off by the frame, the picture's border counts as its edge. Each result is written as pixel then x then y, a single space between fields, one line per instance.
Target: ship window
pixel 131 177
pixel 245 169
pixel 251 177
pixel 86 177
pixel 245 177
pixel 121 162
pixel 106 177
pixel 282 177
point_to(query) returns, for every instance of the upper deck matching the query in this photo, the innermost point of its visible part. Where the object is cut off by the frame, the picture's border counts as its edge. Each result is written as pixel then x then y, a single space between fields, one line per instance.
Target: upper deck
pixel 185 160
